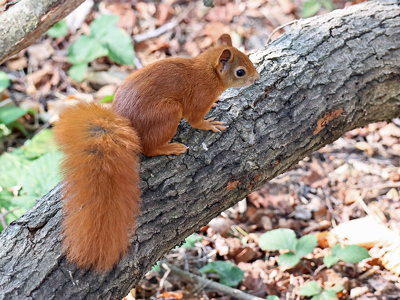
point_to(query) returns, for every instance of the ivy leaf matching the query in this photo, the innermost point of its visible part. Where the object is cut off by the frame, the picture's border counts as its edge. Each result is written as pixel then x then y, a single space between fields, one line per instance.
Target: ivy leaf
pixel 229 274
pixel 278 239
pixel 306 244
pixel 77 72
pixel 119 45
pixel 59 29
pixel 102 25
pixel 330 260
pixel 310 8
pixel 311 288
pixel 289 259
pixel 325 295
pixel 86 49
pixel 353 254
pixel 335 249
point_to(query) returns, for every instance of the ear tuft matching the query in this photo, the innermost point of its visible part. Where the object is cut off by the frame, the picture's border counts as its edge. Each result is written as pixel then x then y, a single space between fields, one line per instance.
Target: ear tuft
pixel 225 56
pixel 225 40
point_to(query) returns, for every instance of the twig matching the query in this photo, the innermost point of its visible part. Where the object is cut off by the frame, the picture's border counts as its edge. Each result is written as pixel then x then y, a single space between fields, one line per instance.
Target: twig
pixel 164 28
pixel 278 28
pixel 212 285
pixel 8 4
pixel 364 206
pixel 165 266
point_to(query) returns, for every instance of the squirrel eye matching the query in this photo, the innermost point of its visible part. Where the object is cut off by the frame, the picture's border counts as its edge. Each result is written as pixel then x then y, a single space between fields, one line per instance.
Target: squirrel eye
pixel 240 73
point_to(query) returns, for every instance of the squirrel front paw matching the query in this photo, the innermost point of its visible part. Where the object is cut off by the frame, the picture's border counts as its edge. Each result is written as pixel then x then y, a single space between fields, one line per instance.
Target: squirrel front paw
pixel 215 126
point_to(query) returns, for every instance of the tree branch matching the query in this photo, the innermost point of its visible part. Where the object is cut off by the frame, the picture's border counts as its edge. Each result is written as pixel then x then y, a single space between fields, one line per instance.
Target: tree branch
pixel 326 76
pixel 27 20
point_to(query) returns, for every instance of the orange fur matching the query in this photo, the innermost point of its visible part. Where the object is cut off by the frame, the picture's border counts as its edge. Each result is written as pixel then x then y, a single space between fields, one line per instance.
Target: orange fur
pixel 101 192
pixel 100 189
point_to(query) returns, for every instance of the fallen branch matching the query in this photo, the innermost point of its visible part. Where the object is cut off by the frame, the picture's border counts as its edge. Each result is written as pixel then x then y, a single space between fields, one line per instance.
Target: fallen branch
pixel 209 284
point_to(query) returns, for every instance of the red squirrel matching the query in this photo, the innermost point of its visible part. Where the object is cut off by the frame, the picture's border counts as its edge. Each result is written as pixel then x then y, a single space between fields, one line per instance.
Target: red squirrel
pixel 102 146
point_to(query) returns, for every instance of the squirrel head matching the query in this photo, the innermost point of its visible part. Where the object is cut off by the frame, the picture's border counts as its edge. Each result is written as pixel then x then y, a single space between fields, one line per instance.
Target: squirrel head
pixel 233 67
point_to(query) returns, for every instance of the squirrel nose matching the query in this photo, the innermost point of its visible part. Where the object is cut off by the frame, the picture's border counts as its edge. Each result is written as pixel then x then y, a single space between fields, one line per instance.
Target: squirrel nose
pixel 257 77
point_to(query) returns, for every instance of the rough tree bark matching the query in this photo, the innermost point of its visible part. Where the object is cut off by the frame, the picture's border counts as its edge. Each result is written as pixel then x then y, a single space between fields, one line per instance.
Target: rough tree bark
pixel 27 20
pixel 328 75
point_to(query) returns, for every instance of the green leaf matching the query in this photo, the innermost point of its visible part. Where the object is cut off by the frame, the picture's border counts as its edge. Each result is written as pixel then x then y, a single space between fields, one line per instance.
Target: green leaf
pixel 4 130
pixel 41 143
pixel 101 25
pixel 107 99
pixel 278 239
pixel 337 288
pixel 12 169
pixel 310 8
pixel 289 259
pixel 42 175
pixel 273 297
pixel 59 29
pixel 311 288
pixel 335 249
pixel 330 260
pixel 9 114
pixel 229 274
pixel 306 244
pixel 119 45
pixel 156 267
pixel 20 127
pixel 77 72
pixel 353 254
pixel 328 5
pixel 4 81
pixel 208 3
pixel 86 49
pixel 325 295
pixel 191 240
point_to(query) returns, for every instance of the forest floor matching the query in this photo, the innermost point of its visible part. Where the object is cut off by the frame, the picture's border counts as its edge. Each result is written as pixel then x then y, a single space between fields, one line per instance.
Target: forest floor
pixel 355 178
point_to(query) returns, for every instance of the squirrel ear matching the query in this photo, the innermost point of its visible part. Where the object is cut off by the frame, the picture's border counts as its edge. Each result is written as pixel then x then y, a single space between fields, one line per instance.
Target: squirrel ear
pixel 225 56
pixel 225 40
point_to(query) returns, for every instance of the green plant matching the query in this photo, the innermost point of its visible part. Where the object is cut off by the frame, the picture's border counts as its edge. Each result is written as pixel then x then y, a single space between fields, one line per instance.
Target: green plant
pixel 105 39
pixel 273 297
pixel 311 7
pixel 4 81
pixel 229 274
pixel 314 290
pixel 191 240
pixel 285 239
pixel 349 254
pixel 27 173
pixel 9 116
pixel 59 29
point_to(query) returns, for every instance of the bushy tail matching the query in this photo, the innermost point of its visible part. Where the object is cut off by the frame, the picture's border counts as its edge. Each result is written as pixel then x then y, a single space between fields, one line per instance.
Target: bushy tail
pixel 101 194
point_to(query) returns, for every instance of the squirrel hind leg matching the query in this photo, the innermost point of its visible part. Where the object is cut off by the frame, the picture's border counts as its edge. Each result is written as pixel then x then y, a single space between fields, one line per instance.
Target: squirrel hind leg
pixel 167 149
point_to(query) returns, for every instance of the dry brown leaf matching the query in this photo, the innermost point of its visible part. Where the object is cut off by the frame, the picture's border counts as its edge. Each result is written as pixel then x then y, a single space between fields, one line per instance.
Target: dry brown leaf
pixel 390 130
pixel 173 295
pixel 363 146
pixel 17 64
pixel 164 12
pixel 40 52
pixel 351 196
pixel 223 14
pixel 215 30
